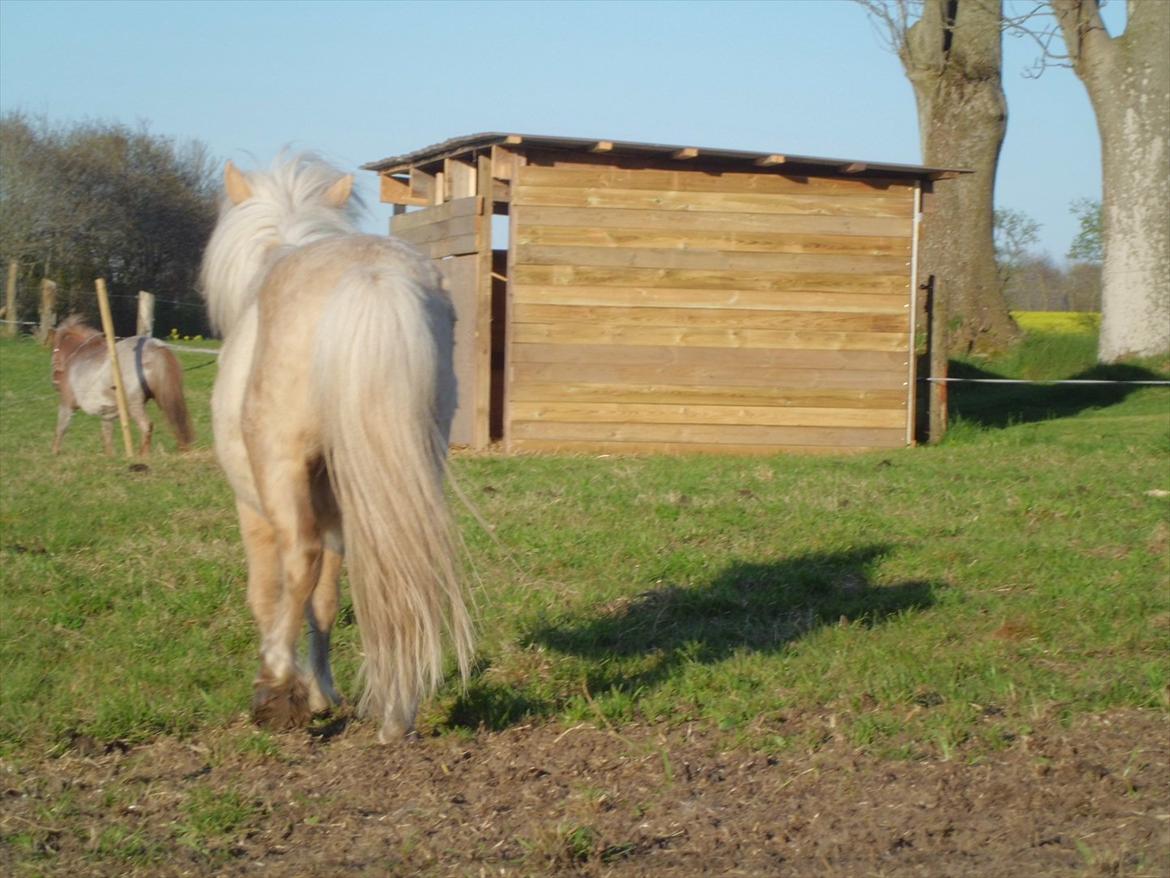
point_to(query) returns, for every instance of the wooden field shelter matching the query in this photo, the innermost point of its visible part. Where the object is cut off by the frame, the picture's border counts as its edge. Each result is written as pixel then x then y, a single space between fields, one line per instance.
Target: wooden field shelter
pixel 653 298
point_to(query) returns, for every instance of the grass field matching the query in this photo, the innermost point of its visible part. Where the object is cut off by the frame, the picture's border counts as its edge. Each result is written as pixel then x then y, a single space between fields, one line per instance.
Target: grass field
pixel 922 601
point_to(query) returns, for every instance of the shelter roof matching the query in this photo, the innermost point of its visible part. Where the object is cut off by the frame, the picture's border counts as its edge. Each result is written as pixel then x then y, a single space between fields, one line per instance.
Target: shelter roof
pixel 471 143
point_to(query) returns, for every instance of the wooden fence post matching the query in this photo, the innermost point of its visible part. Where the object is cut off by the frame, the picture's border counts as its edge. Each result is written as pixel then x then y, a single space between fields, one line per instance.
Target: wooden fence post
pixel 48 310
pixel 10 317
pixel 145 313
pixel 938 362
pixel 111 344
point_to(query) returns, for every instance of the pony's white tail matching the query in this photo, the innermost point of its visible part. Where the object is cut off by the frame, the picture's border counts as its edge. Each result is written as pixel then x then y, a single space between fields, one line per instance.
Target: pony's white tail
pixel 383 383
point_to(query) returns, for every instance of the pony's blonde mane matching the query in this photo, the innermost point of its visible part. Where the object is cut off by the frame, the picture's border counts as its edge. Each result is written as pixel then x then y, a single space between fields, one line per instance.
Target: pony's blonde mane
pixel 287 209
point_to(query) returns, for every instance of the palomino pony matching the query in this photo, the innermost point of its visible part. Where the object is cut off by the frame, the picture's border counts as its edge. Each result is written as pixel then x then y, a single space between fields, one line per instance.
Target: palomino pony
pixel 84 380
pixel 331 413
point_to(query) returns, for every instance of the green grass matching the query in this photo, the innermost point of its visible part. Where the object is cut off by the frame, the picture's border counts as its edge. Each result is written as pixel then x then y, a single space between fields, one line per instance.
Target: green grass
pixel 917 601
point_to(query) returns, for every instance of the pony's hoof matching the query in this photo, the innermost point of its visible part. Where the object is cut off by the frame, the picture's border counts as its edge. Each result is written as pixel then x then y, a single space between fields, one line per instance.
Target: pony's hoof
pixel 320 704
pixel 397 733
pixel 280 706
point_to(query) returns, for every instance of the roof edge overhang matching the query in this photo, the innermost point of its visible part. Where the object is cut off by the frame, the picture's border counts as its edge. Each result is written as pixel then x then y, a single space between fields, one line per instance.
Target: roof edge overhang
pixel 459 146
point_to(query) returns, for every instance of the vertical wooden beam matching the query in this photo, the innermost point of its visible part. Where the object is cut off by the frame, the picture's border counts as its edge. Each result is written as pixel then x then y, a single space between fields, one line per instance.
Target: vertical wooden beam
pixel 10 318
pixel 483 304
pixel 505 162
pixel 145 313
pixel 48 310
pixel 111 345
pixel 423 188
pixel 938 363
pixel 912 355
pixel 506 389
pixel 459 179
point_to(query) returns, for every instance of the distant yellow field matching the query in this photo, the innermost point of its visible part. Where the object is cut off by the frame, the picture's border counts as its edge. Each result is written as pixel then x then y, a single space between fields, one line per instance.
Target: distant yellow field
pixel 1058 321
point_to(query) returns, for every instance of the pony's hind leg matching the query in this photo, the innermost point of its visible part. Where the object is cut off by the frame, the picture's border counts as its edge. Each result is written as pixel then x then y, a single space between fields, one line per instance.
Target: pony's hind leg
pixel 274 705
pixel 64 416
pixel 284 490
pixel 145 427
pixel 108 435
pixel 321 614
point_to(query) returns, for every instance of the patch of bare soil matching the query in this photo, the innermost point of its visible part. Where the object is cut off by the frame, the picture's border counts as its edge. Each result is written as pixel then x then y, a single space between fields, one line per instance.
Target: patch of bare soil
pixel 1093 799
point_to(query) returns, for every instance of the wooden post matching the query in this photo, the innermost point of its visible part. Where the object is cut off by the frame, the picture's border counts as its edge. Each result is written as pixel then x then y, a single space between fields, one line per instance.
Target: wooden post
pixel 145 313
pixel 938 362
pixel 10 317
pixel 48 310
pixel 111 344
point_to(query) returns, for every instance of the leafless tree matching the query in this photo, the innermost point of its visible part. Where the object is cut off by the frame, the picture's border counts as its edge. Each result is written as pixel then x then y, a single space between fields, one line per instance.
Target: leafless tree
pixel 1127 78
pixel 951 51
pixel 105 200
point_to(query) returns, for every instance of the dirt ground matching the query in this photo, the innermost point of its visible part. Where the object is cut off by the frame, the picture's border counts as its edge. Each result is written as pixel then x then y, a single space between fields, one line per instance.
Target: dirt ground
pixel 1092 799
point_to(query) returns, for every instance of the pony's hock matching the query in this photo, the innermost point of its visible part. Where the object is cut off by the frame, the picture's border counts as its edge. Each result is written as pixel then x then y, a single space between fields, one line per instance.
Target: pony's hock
pixel 332 410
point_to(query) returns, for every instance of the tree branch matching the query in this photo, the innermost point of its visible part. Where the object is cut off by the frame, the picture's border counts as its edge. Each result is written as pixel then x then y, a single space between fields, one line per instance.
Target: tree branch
pixel 1086 38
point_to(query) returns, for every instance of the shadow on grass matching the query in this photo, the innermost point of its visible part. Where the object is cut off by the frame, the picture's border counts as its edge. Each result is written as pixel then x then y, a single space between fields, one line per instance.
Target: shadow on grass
pixel 636 643
pixel 1001 405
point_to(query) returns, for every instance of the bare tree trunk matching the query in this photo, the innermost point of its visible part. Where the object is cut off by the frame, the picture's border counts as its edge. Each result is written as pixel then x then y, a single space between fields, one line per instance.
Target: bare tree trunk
pixel 1128 81
pixel 953 58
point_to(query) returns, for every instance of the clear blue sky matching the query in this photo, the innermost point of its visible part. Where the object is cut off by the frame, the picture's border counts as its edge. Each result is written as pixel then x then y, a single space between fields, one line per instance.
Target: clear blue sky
pixel 359 81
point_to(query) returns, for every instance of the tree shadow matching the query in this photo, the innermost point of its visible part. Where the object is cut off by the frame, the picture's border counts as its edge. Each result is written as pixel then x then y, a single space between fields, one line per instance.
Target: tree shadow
pixel 1001 405
pixel 634 644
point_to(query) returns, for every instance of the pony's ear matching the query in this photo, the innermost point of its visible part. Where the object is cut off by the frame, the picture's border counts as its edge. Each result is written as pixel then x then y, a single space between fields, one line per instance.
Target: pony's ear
pixel 340 191
pixel 235 184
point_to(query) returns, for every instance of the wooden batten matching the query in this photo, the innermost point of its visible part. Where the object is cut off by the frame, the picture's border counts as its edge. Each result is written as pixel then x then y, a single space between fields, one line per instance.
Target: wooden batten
pixel 397 191
pixel 597 220
pixel 423 187
pixel 501 191
pixel 724 202
pixel 719 240
pixel 591 176
pixel 459 179
pixel 439 213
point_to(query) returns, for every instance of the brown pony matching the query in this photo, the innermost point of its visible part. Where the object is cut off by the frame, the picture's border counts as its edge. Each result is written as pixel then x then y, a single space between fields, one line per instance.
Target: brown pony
pixel 84 380
pixel 331 411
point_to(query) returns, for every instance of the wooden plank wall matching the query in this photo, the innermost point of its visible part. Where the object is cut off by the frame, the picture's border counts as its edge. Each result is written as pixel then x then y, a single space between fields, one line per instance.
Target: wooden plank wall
pixel 679 311
pixel 447 229
pixel 456 234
